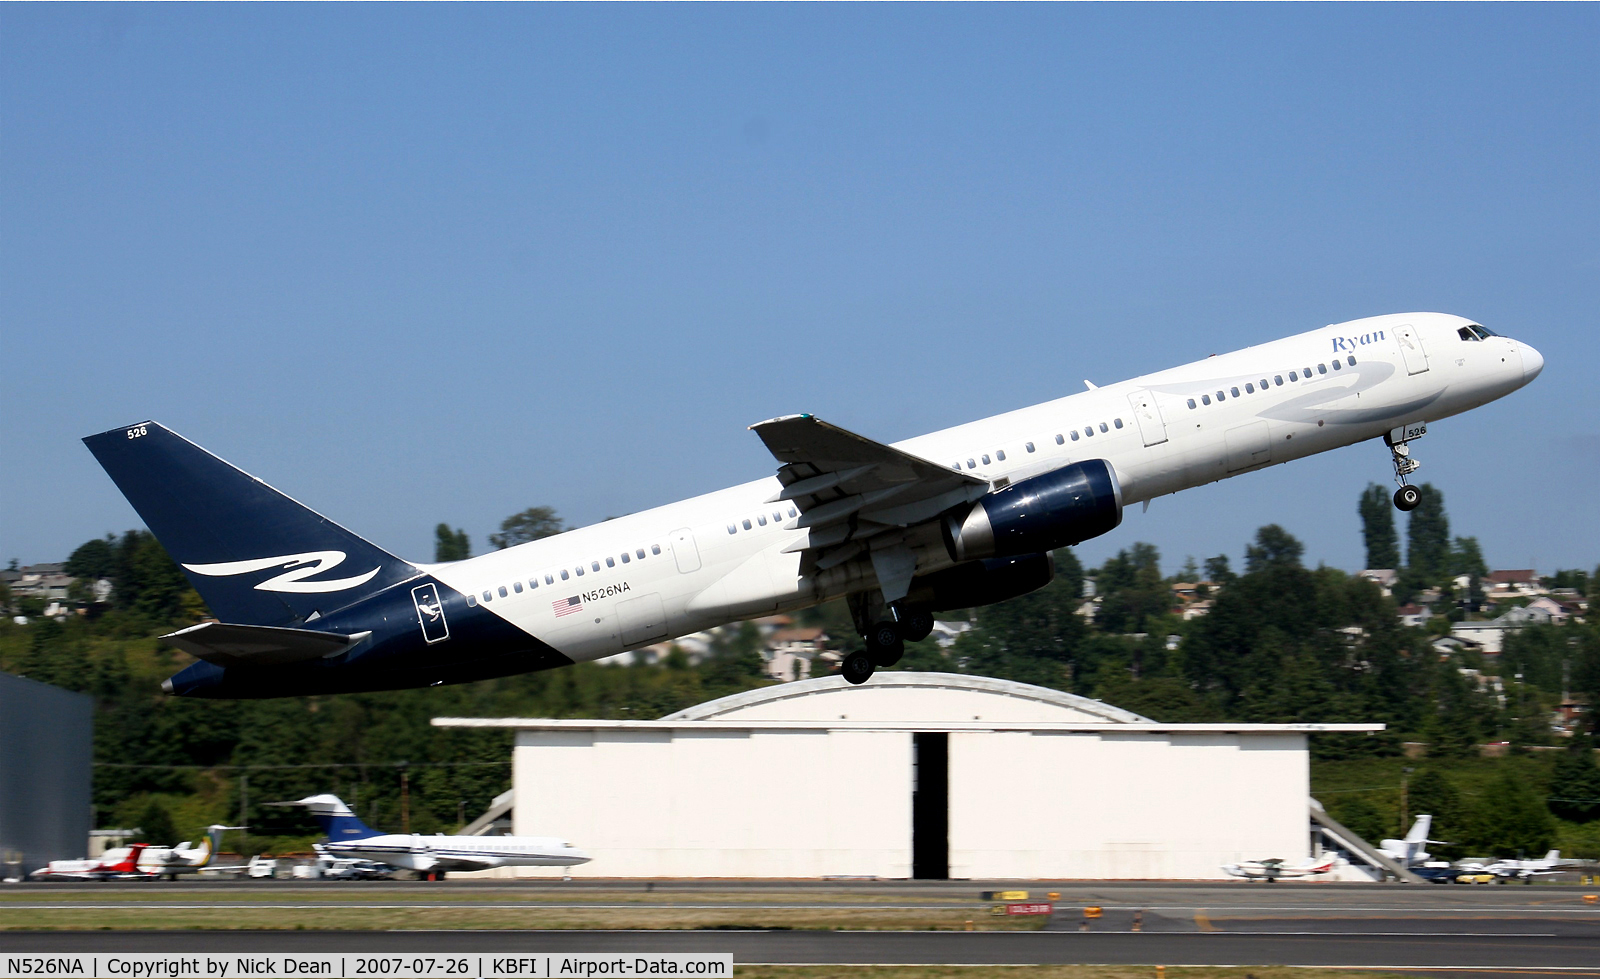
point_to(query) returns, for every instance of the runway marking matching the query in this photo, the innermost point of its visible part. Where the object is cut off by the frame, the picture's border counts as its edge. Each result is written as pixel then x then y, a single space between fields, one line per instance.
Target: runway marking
pixel 1201 921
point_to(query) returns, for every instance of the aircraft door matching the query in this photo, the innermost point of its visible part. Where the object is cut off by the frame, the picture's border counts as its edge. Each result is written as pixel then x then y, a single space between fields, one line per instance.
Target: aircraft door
pixel 1145 411
pixel 1411 350
pixel 684 549
pixel 641 620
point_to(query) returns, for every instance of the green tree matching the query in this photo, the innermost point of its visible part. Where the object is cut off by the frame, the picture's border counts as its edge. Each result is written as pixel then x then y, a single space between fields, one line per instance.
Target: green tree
pixel 450 545
pixel 1509 820
pixel 155 825
pixel 1575 783
pixel 531 524
pixel 94 559
pixel 1431 793
pixel 1428 538
pixel 1131 589
pixel 1377 528
pixel 1219 571
pixel 1274 548
pixel 1360 817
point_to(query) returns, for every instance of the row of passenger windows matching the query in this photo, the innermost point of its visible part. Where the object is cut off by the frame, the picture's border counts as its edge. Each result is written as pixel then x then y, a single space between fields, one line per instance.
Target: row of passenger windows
pixel 761 520
pixel 550 576
pixel 1277 379
pixel 1088 432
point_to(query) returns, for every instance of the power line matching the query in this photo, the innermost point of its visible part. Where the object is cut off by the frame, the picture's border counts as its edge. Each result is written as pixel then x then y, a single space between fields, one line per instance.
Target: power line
pixel 353 764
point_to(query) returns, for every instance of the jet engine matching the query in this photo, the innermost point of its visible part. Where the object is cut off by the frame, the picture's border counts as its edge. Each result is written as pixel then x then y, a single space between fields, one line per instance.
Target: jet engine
pixel 983 582
pixel 1054 509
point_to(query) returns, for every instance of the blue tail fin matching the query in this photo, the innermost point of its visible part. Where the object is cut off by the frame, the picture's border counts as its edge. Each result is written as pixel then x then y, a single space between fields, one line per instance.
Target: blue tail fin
pixel 337 821
pixel 256 556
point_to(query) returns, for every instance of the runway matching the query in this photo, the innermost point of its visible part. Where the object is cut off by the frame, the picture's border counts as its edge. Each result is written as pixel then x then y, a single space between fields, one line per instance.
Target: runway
pixel 1472 930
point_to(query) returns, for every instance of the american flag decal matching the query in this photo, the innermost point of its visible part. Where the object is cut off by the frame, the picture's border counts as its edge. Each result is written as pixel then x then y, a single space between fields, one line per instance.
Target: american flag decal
pixel 566 606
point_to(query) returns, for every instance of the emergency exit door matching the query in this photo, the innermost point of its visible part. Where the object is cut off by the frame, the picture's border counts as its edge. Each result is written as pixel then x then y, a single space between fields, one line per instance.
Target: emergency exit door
pixel 1145 411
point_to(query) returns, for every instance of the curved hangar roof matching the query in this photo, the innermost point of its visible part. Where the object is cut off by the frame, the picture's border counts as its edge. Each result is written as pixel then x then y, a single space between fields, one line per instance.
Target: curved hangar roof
pixel 908 698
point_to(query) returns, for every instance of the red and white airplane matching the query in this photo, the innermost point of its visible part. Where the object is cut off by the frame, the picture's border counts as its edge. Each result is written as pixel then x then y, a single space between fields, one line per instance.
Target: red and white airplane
pixel 1278 869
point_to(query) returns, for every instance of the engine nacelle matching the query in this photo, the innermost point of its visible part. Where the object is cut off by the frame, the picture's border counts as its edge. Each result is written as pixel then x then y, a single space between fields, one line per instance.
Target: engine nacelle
pixel 984 582
pixel 1054 509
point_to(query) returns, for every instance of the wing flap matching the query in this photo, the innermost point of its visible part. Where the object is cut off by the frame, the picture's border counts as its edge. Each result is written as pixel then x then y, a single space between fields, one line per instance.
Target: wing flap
pixel 229 644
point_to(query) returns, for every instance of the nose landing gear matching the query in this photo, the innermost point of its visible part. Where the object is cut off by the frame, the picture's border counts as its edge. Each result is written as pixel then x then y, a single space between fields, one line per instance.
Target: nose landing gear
pixel 1398 440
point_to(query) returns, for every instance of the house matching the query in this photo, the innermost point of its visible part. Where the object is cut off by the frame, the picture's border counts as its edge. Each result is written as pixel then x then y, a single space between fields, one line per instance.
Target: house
pixel 946 633
pixel 789 652
pixel 1514 583
pixel 1490 636
pixel 1413 615
pixel 47 581
pixel 1456 645
pixel 1559 612
pixel 1196 610
pixel 1527 615
pixel 1384 578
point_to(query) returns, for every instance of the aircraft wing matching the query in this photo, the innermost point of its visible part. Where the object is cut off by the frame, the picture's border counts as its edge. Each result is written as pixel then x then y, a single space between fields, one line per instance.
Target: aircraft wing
pixel 227 644
pixel 849 489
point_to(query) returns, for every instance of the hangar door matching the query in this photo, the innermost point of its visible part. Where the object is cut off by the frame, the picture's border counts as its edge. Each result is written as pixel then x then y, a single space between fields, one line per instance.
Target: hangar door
pixel 930 806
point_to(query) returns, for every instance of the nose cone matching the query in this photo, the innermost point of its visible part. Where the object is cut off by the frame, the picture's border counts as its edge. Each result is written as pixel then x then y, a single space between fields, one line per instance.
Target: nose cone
pixel 1532 362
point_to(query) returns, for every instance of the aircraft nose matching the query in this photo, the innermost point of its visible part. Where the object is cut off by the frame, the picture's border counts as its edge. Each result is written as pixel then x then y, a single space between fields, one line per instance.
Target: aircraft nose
pixel 1532 361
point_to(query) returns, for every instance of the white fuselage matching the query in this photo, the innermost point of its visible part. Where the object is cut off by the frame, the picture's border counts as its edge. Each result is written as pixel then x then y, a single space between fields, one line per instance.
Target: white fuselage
pixel 722 557
pixel 425 853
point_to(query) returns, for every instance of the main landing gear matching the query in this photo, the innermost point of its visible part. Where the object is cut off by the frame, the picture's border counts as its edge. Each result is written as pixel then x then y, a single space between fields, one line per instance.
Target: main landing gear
pixel 1399 441
pixel 886 632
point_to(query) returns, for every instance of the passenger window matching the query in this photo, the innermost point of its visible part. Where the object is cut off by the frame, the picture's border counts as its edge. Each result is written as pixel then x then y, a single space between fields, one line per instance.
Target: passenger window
pixel 533 583
pixel 595 565
pixel 611 562
pixel 745 523
pixel 1307 373
pixel 1322 368
pixel 1221 396
pixel 986 459
pixel 502 591
pixel 1293 376
pixel 488 597
pixel 1074 435
pixel 1249 388
pixel 1263 384
pixel 472 600
pixel 579 570
pixel 1278 378
pixel 516 586
pixel 1234 391
pixel 564 575
pixel 761 519
pixel 733 528
pixel 1205 399
pixel 1029 446
pixel 1337 365
pixel 655 548
pixel 972 463
pixel 1191 402
pixel 1102 426
pixel 1089 431
pixel 1351 360
pixel 1001 455
pixel 1062 441
pixel 777 517
pixel 639 554
pixel 625 558
pixel 793 512
pixel 1117 422
pixel 550 581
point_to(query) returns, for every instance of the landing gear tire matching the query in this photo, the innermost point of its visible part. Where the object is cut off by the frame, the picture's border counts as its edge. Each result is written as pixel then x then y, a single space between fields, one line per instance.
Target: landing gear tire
pixel 857 667
pixel 1406 498
pixel 916 624
pixel 884 645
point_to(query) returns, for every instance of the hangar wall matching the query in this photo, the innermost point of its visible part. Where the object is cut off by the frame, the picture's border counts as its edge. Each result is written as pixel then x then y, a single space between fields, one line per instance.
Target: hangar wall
pixel 816 778
pixel 46 759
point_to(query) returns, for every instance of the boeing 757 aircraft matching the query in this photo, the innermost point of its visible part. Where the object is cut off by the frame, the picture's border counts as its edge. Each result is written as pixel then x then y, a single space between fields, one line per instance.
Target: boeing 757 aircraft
pixel 958 518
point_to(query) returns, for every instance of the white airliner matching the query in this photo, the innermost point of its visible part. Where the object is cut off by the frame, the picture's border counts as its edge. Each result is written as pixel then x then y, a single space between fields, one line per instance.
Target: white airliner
pixel 958 518
pixel 433 855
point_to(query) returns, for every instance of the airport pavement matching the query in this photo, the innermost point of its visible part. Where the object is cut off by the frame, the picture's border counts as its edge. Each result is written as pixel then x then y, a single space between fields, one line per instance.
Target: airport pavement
pixel 1479 953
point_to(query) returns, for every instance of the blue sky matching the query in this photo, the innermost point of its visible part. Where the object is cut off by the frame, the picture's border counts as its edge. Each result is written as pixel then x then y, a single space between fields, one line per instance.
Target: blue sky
pixel 428 263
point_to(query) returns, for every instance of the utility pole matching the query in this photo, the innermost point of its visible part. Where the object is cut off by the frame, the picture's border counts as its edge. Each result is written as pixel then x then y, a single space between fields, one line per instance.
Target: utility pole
pixel 244 811
pixel 1405 804
pixel 405 799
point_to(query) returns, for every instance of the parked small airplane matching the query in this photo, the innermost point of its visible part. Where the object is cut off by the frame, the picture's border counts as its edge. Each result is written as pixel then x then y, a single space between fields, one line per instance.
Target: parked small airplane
pixel 1276 869
pixel 1409 852
pixel 953 519
pixel 432 855
pixel 185 858
pixel 1523 870
pixel 120 863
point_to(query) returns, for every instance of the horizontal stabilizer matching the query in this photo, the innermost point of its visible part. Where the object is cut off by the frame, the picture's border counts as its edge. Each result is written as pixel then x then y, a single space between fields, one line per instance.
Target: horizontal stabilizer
pixel 227 644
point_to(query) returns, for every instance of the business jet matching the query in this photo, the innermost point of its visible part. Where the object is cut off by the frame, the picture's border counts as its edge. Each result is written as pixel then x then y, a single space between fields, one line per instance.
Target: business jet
pixel 186 858
pixel 1409 852
pixel 1523 870
pixel 432 856
pixel 120 863
pixel 1277 869
pixel 958 518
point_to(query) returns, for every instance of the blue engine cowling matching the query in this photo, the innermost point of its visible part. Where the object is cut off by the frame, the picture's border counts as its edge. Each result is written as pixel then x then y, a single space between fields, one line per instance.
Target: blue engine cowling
pixel 1054 509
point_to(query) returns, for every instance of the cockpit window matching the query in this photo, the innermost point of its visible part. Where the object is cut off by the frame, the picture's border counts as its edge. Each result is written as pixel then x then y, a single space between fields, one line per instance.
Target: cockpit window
pixel 1484 331
pixel 1473 331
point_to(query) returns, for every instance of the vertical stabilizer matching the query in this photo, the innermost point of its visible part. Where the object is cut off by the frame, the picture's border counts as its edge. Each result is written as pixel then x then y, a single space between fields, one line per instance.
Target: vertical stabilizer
pixel 335 818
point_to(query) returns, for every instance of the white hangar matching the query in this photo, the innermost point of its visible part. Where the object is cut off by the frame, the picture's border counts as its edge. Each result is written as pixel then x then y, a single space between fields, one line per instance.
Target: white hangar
pixel 927 775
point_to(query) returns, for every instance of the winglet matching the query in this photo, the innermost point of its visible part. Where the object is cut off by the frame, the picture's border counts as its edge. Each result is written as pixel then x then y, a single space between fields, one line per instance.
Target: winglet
pixel 1092 386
